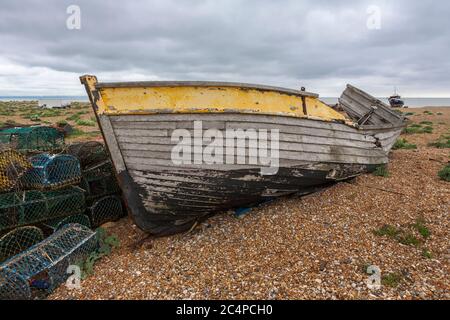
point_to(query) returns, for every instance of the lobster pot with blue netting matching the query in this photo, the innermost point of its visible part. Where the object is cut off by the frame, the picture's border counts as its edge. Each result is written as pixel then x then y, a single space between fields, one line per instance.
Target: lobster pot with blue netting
pixel 32 139
pixel 57 224
pixel 19 240
pixel 30 207
pixel 52 172
pixel 105 210
pixel 43 267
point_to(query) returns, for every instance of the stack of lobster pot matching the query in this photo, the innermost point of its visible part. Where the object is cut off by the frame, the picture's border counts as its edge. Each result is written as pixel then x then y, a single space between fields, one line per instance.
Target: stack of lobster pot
pixel 49 192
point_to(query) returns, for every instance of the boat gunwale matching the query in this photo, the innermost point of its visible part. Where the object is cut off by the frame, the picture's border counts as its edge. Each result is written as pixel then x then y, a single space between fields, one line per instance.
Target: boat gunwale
pixel 238 85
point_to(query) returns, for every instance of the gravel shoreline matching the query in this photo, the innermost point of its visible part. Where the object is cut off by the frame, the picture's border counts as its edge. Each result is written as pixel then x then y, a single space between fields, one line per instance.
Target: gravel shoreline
pixel 316 247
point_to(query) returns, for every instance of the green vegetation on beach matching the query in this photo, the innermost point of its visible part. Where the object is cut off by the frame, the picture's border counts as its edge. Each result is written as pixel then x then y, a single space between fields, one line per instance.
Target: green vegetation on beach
pixel 403 144
pixel 444 174
pixel 442 143
pixel 417 129
pixel 381 171
pixel 86 123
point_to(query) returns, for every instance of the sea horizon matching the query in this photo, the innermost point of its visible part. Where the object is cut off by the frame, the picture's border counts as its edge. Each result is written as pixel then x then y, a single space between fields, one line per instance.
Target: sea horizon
pixel 409 102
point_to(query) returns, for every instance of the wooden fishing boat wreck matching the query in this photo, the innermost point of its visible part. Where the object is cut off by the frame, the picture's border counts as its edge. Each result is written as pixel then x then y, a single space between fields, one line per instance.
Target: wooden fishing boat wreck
pixel 312 144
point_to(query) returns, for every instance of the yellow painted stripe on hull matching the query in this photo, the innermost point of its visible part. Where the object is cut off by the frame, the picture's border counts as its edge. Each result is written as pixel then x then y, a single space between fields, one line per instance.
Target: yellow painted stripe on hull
pixel 207 99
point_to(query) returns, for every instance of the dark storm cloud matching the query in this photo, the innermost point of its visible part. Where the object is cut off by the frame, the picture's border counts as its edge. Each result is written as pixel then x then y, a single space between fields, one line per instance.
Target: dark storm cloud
pixel 320 44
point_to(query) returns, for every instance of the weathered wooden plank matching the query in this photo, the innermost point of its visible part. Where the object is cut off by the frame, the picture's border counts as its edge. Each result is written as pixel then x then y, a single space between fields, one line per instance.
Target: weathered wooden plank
pixel 112 143
pixel 283 146
pixel 283 140
pixel 301 130
pixel 304 131
pixel 219 125
pixel 239 117
pixel 355 107
pixel 141 133
pixel 355 100
pixel 293 175
pixel 225 187
pixel 167 125
pixel 186 121
pixel 285 160
pixel 284 149
pixel 368 142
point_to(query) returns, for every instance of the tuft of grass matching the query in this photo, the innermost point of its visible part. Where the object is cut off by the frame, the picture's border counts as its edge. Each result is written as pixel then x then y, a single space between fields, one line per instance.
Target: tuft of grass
pixel 50 113
pixel 408 114
pixel 427 123
pixel 439 113
pixel 74 117
pixel 417 128
pixel 62 123
pixel 442 143
pixel 427 254
pixel 381 171
pixel 428 113
pixel 86 123
pixel 35 118
pixel 444 174
pixel 403 144
pixel 403 237
pixel 422 228
pixel 391 279
pixel 7 112
pixel 428 129
pixel 387 231
pixel 408 239
pixel 412 130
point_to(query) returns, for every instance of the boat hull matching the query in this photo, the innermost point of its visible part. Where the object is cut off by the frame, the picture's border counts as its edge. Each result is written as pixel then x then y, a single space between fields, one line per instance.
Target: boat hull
pixel 167 198
pixel 311 145
pixel 396 103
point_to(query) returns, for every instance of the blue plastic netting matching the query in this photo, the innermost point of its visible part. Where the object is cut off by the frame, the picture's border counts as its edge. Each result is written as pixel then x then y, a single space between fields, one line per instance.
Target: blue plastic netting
pixel 43 267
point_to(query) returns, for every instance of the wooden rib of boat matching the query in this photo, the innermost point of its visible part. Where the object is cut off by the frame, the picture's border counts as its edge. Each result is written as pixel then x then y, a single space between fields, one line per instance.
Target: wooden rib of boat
pixel 317 145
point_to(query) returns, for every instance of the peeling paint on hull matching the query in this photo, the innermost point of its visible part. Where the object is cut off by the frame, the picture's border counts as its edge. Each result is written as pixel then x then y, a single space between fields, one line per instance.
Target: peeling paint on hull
pixel 318 146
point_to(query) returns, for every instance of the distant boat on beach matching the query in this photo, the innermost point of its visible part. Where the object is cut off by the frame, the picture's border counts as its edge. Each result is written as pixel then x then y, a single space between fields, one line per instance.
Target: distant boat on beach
pixel 396 100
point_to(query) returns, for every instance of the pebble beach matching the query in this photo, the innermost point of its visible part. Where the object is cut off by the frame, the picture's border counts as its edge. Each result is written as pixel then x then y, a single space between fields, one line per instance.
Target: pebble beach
pixel 314 247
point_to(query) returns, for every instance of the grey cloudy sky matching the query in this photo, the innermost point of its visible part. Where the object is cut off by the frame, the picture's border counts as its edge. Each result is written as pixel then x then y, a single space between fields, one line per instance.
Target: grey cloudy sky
pixel 319 44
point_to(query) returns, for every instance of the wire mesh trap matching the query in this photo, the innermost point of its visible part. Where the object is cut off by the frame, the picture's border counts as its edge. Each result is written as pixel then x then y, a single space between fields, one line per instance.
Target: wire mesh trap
pixel 91 154
pixel 19 240
pixel 99 182
pixel 13 166
pixel 30 207
pixel 105 210
pixel 32 139
pixel 57 224
pixel 42 268
pixel 52 172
